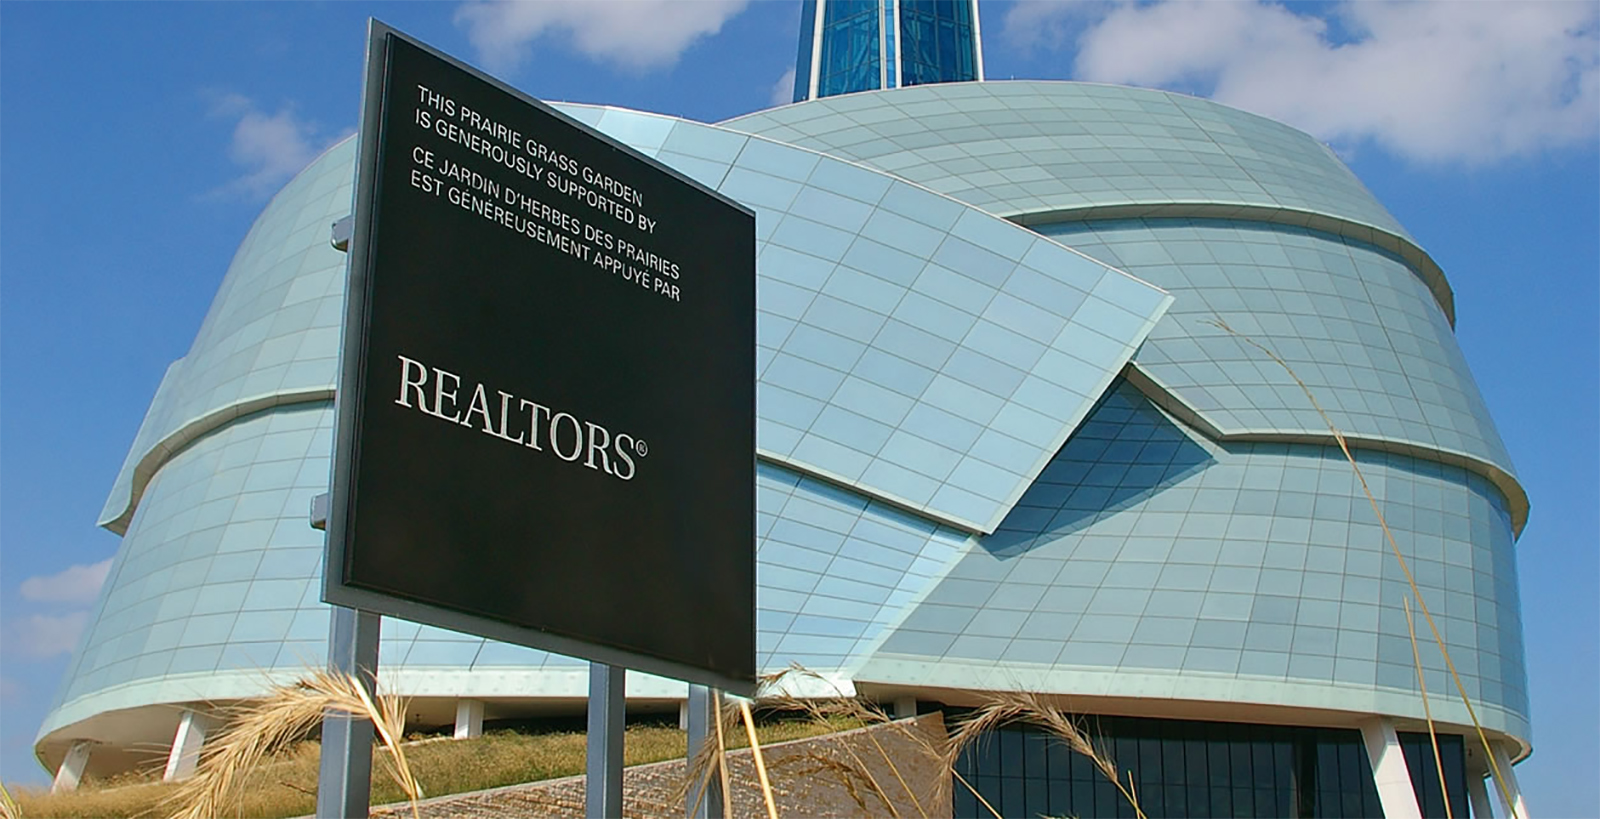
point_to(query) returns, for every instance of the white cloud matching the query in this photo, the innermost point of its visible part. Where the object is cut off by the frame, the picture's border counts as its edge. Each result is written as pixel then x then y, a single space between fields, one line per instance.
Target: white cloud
pixel 633 34
pixel 270 148
pixel 74 584
pixel 783 89
pixel 46 635
pixel 1451 82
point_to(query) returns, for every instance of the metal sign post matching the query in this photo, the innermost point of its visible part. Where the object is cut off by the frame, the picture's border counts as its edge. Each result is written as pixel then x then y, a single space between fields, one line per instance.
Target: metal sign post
pixel 607 706
pixel 702 802
pixel 344 780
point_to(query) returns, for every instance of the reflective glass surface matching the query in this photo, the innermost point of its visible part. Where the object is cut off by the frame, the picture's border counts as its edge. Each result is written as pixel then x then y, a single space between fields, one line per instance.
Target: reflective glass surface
pixel 1146 555
pixel 850 47
pixel 937 42
pixel 890 44
pixel 802 70
pixel 1196 769
pixel 921 362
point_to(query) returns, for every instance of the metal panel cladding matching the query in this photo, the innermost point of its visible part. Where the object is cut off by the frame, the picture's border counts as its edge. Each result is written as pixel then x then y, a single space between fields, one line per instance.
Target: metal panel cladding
pixel 547 407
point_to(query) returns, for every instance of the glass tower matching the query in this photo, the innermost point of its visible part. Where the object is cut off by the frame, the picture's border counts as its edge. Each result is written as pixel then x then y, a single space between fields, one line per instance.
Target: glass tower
pixel 862 45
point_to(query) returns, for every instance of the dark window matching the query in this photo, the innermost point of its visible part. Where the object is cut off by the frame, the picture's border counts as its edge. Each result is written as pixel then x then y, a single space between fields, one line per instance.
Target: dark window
pixel 849 47
pixel 937 42
pixel 1196 769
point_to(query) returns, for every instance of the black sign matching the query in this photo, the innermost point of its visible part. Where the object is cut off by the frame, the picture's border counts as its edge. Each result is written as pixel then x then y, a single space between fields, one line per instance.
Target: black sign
pixel 547 406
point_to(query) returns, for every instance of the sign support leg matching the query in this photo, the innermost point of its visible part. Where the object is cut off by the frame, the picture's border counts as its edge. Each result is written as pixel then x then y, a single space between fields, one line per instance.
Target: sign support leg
pixel 701 734
pixel 607 705
pixel 344 780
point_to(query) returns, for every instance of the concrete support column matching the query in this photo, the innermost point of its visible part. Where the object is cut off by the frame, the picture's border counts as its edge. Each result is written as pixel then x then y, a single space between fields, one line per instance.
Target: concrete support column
pixel 1507 784
pixel 71 770
pixel 469 719
pixel 1478 797
pixel 1389 771
pixel 186 744
pixel 683 715
pixel 905 707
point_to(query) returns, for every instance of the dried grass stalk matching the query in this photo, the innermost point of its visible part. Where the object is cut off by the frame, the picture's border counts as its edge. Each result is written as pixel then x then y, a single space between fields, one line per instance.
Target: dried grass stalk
pixel 1002 710
pixel 847 775
pixel 1394 546
pixel 9 809
pixel 826 711
pixel 847 766
pixel 1009 708
pixel 710 760
pixel 761 763
pixel 1416 657
pixel 722 755
pixel 963 780
pixel 260 728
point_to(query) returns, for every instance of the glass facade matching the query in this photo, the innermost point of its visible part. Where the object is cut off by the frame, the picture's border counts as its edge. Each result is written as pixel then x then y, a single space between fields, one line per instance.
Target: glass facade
pixel 850 47
pixel 998 444
pixel 891 44
pixel 938 41
pixel 1198 769
pixel 872 44
pixel 802 63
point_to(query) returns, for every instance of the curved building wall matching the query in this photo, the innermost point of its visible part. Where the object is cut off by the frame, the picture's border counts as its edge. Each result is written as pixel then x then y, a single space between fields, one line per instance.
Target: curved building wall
pixel 990 456
pixel 271 335
pixel 1039 152
pixel 1149 561
pixel 1353 321
pixel 1081 146
pixel 1315 259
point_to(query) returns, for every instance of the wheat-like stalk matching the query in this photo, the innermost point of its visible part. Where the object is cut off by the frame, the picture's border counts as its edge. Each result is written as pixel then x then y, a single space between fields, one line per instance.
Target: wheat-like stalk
pixel 1427 711
pixel 1394 546
pixel 1001 709
pixel 847 774
pixel 846 763
pixel 761 762
pixel 827 711
pixel 259 728
pixel 1009 708
pixel 9 809
pixel 711 759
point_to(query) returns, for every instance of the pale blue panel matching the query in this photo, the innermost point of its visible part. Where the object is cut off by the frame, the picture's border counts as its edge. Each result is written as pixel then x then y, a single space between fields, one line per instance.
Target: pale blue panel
pixel 646 132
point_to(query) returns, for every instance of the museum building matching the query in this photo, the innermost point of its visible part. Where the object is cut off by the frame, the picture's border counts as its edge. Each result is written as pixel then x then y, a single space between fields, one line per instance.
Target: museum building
pixel 1016 430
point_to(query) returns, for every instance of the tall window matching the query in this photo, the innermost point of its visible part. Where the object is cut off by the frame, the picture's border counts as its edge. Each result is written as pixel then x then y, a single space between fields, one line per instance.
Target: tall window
pixel 849 47
pixel 937 42
pixel 802 63
pixel 862 45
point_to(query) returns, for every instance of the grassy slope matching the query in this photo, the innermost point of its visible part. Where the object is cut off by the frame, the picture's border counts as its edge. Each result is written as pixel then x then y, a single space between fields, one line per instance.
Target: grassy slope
pixel 288 786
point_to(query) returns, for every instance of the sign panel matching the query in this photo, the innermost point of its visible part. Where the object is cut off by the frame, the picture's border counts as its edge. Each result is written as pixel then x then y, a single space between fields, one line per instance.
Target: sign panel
pixel 546 410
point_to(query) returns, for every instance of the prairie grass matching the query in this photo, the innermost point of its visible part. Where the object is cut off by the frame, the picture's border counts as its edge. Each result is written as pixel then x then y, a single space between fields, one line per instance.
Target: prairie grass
pixel 874 779
pixel 1008 708
pixel 285 783
pixel 258 730
pixel 853 769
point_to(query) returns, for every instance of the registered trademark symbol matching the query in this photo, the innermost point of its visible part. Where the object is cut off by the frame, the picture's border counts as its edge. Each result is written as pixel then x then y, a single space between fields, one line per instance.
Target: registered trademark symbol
pixel 641 448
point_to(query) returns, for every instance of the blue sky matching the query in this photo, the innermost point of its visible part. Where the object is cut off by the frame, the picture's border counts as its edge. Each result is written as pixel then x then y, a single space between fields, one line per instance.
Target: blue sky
pixel 138 141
